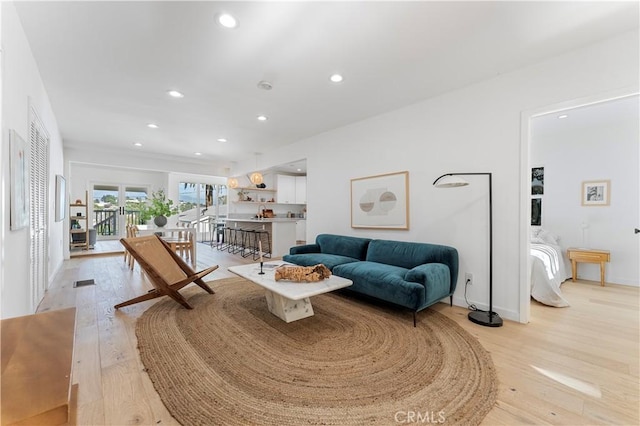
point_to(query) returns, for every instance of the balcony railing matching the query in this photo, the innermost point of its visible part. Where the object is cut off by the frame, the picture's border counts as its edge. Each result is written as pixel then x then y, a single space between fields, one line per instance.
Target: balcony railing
pixel 105 222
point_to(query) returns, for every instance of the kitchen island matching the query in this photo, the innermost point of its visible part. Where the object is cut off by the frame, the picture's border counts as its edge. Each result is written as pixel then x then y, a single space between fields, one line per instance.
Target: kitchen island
pixel 281 231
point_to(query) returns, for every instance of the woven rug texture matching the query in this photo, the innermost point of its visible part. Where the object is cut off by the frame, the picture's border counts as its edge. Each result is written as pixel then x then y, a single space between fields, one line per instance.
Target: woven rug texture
pixel 229 361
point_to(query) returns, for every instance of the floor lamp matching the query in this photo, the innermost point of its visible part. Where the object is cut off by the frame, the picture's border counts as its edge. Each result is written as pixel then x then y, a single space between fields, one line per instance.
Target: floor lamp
pixel 451 180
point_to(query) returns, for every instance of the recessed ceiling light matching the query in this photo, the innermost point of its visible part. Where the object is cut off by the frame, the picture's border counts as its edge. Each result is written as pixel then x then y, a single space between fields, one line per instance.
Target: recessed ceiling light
pixel 563 116
pixel 137 144
pixel 152 126
pixel 222 140
pixel 227 21
pixel 262 118
pixel 175 94
pixel 336 78
pixel 299 170
pixel 264 85
pixel 197 153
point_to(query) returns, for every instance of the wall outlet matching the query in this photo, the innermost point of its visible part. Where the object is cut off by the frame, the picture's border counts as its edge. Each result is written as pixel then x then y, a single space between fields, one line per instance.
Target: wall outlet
pixel 468 278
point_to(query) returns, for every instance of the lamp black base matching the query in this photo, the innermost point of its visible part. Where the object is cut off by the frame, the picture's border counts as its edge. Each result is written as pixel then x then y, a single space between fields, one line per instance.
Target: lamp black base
pixel 483 318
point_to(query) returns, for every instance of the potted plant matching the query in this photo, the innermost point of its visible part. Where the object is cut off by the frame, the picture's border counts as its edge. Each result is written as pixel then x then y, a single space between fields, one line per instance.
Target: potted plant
pixel 158 208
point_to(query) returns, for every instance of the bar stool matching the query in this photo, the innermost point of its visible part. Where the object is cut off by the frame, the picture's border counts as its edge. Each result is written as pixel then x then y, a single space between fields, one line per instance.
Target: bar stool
pixel 236 240
pixel 223 244
pixel 231 239
pixel 266 248
pixel 250 246
pixel 218 235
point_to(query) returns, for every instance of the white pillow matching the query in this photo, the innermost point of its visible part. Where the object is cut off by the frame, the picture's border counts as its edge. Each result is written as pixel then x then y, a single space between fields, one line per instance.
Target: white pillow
pixel 535 231
pixel 548 237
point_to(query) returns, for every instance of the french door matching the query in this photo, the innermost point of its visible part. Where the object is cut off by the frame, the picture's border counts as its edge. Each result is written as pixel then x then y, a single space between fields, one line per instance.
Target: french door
pixel 114 206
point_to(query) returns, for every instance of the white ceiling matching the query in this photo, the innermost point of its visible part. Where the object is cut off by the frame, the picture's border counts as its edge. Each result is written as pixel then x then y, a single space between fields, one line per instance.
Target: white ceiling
pixel 607 113
pixel 107 65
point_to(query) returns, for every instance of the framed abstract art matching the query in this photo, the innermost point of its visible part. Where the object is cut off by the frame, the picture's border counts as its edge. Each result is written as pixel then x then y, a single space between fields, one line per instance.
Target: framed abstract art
pixel 380 202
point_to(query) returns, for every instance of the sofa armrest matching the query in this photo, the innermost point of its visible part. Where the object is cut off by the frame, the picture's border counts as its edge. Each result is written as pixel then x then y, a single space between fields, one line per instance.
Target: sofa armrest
pixel 430 272
pixel 307 248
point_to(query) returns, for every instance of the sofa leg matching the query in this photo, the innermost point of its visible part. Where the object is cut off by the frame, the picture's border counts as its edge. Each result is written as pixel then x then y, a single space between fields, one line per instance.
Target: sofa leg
pixel 414 318
pixel 451 301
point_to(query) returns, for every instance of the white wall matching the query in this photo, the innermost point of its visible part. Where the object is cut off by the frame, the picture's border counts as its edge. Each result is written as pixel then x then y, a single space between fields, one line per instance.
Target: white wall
pixel 601 150
pixel 22 87
pixel 476 128
pixel 84 176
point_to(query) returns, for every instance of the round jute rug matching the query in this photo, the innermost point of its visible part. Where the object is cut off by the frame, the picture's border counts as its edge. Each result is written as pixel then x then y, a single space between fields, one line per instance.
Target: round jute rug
pixel 229 361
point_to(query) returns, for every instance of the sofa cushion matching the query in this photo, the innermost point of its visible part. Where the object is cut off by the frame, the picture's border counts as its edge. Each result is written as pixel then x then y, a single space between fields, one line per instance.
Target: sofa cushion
pixel 409 255
pixel 343 246
pixel 382 281
pixel 310 259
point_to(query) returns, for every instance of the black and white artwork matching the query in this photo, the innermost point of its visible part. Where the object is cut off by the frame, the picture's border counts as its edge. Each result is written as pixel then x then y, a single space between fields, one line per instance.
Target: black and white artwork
pixel 536 212
pixel 537 180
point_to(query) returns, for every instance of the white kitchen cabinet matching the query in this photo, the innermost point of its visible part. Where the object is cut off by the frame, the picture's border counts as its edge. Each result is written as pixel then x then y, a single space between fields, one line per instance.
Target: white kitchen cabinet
pixel 291 189
pixel 286 187
pixel 301 190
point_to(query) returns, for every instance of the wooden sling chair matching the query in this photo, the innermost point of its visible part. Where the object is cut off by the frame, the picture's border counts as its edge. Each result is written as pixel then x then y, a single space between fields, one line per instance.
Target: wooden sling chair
pixel 166 270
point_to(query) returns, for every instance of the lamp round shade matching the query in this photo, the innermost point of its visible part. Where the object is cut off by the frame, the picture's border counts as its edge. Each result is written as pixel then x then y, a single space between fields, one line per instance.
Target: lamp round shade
pixel 450 181
pixel 256 178
pixel 232 183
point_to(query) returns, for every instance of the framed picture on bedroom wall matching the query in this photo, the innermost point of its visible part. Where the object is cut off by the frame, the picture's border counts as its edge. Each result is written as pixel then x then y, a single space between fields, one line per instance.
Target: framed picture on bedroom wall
pixel 596 193
pixel 537 180
pixel 536 212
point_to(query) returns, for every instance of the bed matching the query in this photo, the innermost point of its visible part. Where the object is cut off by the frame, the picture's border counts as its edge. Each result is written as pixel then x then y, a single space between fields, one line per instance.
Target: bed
pixel 549 268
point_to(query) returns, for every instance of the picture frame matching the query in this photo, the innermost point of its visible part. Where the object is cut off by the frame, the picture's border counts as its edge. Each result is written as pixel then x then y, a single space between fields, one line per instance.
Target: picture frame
pixel 381 201
pixel 537 180
pixel 596 193
pixel 536 212
pixel 61 199
pixel 19 171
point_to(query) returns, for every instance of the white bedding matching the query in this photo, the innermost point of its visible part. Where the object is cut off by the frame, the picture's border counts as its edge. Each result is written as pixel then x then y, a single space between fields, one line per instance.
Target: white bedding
pixel 549 269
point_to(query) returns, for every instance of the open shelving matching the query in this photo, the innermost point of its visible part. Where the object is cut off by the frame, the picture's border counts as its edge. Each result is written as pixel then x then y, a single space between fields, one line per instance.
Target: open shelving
pixel 78 224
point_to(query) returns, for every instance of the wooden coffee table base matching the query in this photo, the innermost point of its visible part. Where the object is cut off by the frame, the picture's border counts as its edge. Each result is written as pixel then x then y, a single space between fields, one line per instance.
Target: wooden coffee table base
pixel 287 309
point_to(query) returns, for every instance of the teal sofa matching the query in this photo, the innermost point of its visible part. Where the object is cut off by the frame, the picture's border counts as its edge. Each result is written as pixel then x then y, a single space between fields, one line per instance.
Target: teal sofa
pixel 409 274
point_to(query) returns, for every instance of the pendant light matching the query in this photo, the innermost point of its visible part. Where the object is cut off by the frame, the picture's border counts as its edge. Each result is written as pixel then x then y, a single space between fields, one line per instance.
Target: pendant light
pixel 256 177
pixel 232 182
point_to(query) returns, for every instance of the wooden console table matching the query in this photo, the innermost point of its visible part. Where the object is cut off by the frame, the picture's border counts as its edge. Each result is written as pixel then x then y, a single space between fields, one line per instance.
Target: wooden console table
pixel 37 352
pixel 587 256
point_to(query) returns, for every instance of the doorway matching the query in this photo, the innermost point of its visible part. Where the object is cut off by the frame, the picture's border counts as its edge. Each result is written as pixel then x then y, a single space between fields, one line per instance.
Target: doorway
pixel 571 229
pixel 113 207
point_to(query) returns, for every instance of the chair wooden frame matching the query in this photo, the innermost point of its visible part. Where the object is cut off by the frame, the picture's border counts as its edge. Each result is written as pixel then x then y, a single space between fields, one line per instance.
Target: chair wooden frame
pixel 167 271
pixel 132 231
pixel 184 244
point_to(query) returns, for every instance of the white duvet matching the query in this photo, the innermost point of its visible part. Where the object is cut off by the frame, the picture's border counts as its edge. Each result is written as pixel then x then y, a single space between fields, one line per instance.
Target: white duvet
pixel 549 269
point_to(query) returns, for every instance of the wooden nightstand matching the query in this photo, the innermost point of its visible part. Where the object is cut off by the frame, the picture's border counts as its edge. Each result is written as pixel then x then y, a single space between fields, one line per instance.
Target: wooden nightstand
pixel 588 256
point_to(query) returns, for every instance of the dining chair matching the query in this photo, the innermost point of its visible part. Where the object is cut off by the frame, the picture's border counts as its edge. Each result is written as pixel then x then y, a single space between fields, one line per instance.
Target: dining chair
pixel 132 232
pixel 183 243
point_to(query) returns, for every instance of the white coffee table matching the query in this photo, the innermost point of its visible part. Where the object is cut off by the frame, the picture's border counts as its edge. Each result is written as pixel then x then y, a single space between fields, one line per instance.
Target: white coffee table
pixel 285 299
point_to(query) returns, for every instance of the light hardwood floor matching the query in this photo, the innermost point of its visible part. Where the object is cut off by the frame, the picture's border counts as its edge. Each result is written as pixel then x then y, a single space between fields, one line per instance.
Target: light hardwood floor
pixel 569 366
